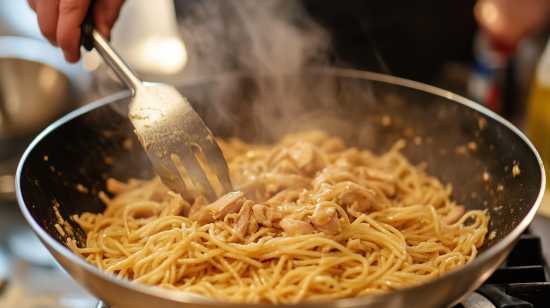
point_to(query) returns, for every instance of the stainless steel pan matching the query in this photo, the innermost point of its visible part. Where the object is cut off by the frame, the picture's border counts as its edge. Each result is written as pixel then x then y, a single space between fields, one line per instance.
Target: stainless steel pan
pixel 460 141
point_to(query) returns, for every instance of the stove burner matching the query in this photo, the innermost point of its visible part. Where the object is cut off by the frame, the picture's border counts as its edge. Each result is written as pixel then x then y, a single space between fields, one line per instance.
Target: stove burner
pixel 521 281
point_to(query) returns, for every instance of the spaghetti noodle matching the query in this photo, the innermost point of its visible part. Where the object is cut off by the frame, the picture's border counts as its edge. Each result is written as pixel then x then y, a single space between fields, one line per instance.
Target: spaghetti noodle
pixel 309 220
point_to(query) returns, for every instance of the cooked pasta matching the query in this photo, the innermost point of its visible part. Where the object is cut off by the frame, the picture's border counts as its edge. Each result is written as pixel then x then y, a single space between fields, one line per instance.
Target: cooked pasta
pixel 309 220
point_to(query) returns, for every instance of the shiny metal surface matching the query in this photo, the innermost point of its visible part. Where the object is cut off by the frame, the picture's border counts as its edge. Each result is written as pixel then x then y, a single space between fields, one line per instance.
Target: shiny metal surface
pixel 40 51
pixel 32 95
pixel 167 125
pixel 28 283
pixel 476 300
pixel 432 113
pixel 37 87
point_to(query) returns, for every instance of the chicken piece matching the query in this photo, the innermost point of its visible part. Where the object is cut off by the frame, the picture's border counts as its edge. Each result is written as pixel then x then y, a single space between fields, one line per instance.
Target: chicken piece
pixel 325 219
pixel 200 213
pixel 285 201
pixel 252 225
pixel 266 215
pixel 287 208
pixel 197 206
pixel 307 157
pixel 300 158
pixel 454 214
pixel 360 198
pixel 286 166
pixel 177 206
pixel 295 227
pixel 332 227
pixel 277 181
pixel 243 222
pixel 228 204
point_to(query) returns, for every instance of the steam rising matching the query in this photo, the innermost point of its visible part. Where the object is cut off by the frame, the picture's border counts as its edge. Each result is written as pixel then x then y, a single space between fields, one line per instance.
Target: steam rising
pixel 272 41
pixel 266 37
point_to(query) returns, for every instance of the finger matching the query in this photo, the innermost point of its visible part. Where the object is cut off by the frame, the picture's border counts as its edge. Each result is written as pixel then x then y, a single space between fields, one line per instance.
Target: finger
pixel 71 15
pixel 47 12
pixel 105 14
pixel 32 4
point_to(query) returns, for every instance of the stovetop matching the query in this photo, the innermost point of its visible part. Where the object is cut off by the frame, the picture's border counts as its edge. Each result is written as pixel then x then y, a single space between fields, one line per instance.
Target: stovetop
pixel 30 278
pixel 521 281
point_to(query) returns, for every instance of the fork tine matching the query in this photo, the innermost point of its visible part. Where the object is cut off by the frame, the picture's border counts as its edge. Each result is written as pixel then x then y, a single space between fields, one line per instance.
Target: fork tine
pixel 216 161
pixel 196 173
pixel 169 175
pixel 161 117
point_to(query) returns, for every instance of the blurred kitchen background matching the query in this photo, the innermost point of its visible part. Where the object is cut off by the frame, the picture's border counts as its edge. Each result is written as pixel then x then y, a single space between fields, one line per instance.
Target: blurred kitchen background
pixel 431 41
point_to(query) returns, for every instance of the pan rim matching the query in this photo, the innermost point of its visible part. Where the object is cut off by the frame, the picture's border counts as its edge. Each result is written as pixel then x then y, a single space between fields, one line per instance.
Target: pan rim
pixel 183 297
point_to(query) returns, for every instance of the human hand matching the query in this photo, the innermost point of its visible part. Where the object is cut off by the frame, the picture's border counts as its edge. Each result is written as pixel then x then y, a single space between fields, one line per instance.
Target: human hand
pixel 508 21
pixel 60 20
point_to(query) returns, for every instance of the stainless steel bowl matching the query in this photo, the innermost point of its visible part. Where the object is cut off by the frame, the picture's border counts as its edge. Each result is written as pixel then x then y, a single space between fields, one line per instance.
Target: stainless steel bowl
pixel 32 95
pixel 37 87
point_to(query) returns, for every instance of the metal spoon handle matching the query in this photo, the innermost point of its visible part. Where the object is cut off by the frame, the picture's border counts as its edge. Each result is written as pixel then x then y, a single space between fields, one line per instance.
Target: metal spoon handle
pixel 90 38
pixel 123 71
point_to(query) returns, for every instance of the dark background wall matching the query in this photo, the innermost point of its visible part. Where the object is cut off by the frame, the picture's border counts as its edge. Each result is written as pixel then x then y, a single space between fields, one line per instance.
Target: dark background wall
pixel 410 39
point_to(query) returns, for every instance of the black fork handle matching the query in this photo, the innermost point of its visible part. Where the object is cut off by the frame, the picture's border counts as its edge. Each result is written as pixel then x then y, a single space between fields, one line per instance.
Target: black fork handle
pixel 87 28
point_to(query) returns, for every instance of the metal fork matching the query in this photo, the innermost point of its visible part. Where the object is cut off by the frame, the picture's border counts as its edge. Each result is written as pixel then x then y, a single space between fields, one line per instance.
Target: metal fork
pixel 166 124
